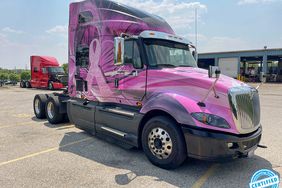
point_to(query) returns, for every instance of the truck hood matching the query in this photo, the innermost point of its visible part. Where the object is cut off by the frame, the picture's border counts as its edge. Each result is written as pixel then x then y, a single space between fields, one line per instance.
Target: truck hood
pixel 192 83
pixel 190 77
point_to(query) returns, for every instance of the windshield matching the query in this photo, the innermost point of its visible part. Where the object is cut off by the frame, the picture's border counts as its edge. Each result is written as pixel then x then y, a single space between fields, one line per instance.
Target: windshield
pixel 56 70
pixel 168 54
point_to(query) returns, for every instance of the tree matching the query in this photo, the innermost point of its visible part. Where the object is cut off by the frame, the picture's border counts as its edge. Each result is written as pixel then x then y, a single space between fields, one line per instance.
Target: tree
pixel 25 75
pixel 66 67
pixel 3 76
pixel 14 77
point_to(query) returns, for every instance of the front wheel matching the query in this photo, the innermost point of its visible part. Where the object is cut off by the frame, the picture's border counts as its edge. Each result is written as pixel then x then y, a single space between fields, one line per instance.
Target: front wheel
pixel 22 84
pixel 163 142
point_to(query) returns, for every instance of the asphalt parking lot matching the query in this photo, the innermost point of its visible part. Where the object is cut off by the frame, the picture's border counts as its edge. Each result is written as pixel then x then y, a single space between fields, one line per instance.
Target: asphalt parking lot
pixel 34 153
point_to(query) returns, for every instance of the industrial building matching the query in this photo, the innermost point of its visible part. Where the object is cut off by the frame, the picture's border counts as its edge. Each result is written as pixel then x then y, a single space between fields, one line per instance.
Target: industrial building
pixel 246 65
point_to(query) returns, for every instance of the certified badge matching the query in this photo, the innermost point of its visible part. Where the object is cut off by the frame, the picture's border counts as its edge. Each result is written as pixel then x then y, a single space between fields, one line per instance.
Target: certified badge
pixel 264 178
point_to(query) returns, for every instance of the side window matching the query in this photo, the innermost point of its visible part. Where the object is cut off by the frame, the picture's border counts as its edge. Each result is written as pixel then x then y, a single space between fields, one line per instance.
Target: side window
pixel 35 69
pixel 85 17
pixel 82 56
pixel 136 57
pixel 128 52
pixel 132 54
pixel 44 70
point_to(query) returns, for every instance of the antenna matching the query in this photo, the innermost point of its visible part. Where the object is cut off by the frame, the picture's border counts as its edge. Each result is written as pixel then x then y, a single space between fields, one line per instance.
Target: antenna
pixel 196 27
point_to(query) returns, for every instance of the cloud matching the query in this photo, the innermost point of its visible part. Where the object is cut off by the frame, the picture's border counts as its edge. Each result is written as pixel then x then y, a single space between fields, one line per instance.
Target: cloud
pixel 243 2
pixel 2 35
pixel 59 29
pixel 180 15
pixel 10 30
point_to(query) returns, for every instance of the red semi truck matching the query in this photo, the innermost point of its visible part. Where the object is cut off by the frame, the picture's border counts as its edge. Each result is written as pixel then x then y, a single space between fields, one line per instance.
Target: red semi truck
pixel 45 73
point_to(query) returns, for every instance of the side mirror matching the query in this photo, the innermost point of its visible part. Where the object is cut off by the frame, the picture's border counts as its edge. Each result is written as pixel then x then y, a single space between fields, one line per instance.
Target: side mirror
pixel 119 51
pixel 214 72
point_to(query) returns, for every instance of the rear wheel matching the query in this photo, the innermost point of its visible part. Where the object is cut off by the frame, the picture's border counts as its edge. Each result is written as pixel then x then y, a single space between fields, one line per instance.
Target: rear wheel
pixel 22 84
pixel 163 142
pixel 39 103
pixel 28 85
pixel 53 110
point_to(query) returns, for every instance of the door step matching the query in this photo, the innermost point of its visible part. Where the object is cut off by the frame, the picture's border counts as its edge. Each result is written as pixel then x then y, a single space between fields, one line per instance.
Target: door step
pixel 114 131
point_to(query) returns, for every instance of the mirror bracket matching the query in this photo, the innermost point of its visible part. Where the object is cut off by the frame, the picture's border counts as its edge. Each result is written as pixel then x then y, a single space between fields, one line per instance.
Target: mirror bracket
pixel 214 72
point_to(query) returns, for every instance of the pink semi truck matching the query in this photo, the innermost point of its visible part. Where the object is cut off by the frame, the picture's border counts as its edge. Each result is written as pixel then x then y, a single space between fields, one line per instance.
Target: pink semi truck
pixel 134 82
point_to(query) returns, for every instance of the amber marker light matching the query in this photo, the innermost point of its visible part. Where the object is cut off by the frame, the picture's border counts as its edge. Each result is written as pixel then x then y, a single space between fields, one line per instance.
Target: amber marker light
pixel 139 104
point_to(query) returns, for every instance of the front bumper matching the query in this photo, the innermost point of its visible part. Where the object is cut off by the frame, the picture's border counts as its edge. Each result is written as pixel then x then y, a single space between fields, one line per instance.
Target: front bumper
pixel 58 85
pixel 210 145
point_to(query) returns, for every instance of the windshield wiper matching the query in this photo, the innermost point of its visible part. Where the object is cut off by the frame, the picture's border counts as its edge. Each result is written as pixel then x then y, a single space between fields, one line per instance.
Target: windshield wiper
pixel 166 65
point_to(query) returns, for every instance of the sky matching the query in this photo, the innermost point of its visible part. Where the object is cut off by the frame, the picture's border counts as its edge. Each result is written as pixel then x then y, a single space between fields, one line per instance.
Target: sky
pixel 39 27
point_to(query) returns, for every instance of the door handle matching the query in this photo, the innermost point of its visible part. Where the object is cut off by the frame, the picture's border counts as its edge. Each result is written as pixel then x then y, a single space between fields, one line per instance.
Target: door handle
pixel 134 73
pixel 125 73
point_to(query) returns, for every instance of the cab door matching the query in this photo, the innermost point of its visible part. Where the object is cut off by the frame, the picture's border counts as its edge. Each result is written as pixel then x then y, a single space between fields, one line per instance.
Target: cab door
pixel 35 76
pixel 44 78
pixel 132 82
pixel 121 118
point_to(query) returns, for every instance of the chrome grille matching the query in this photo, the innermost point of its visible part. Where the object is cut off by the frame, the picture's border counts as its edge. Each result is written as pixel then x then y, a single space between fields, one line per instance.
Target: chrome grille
pixel 245 106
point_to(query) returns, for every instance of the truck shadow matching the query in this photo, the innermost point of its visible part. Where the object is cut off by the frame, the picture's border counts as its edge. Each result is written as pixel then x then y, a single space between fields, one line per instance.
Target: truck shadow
pixel 47 124
pixel 237 173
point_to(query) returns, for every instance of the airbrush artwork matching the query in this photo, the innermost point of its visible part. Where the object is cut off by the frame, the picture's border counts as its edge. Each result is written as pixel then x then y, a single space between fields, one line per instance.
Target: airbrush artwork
pixel 106 20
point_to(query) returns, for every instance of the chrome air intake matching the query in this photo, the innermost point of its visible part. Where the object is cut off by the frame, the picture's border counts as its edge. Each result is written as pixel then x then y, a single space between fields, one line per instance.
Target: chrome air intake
pixel 245 107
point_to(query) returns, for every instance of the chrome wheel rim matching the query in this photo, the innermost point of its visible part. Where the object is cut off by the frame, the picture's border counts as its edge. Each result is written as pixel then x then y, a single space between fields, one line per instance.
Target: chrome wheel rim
pixel 36 106
pixel 160 143
pixel 50 110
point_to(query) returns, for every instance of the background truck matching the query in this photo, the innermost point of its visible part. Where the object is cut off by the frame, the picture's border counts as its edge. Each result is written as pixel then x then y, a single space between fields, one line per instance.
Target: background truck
pixel 134 82
pixel 45 73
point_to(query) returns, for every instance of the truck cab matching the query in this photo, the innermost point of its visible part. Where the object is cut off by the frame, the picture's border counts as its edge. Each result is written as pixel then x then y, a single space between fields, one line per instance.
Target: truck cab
pixel 133 81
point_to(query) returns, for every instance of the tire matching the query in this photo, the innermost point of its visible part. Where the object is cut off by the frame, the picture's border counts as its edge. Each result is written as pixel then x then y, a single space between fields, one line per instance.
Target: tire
pixel 39 104
pixel 22 84
pixel 50 86
pixel 53 110
pixel 168 149
pixel 28 85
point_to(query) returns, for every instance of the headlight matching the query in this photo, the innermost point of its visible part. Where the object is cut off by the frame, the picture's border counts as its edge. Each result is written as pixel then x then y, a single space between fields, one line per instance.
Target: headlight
pixel 210 119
